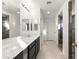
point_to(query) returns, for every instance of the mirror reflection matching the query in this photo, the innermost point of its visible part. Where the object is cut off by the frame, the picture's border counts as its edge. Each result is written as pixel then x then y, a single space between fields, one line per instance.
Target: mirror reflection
pixel 10 19
pixel 36 27
pixel 5 26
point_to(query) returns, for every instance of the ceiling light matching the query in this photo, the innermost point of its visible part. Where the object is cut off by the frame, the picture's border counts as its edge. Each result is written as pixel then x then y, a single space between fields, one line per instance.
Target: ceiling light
pixel 48 12
pixel 49 2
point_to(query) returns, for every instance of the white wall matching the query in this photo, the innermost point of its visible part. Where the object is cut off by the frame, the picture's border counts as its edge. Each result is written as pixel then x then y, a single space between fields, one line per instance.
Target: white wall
pixel 56 29
pixel 51 28
pixel 65 29
pixel 14 21
pixel 64 10
pixel 48 25
pixel 15 25
pixel 42 37
pixel 32 17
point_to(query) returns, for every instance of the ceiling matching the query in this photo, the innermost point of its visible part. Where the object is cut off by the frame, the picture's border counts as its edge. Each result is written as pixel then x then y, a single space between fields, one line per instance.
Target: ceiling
pixel 11 5
pixel 53 7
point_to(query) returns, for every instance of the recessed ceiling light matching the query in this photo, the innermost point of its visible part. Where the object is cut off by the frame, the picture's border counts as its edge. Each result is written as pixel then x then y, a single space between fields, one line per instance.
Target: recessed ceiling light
pixel 49 2
pixel 48 12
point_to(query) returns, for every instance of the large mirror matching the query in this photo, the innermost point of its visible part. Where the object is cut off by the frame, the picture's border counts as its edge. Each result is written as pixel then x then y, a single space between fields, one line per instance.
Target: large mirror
pixel 60 31
pixel 35 27
pixel 5 26
pixel 10 19
pixel 27 26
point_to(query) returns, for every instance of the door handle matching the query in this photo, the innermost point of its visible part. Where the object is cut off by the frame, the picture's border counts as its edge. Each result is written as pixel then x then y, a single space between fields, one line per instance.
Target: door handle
pixel 74 44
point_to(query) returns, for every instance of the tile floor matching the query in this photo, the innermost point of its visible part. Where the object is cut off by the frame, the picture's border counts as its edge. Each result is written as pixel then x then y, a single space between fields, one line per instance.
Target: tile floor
pixel 49 50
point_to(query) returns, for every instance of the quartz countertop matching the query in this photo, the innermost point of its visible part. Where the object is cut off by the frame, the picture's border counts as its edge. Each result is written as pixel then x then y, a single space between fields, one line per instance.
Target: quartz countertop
pixel 11 47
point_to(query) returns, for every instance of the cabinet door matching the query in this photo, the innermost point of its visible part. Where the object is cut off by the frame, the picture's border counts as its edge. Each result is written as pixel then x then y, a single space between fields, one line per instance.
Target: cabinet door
pixel 33 49
pixel 19 56
pixel 31 52
pixel 37 45
pixel 34 57
pixel 36 48
pixel 31 45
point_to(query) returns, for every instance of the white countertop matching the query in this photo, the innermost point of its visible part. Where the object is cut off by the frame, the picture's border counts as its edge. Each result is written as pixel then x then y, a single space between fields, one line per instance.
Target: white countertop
pixel 13 46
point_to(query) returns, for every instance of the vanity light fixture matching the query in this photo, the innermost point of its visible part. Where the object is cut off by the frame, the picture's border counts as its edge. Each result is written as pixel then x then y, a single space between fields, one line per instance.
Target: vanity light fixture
pixel 25 7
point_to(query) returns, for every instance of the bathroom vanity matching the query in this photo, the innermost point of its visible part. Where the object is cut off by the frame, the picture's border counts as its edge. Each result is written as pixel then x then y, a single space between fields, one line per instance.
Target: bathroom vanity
pixel 21 47
pixel 31 51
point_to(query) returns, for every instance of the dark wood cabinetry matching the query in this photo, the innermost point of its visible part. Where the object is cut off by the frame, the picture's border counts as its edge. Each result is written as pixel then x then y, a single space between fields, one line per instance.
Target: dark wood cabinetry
pixel 19 56
pixel 30 52
pixel 37 46
pixel 33 49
